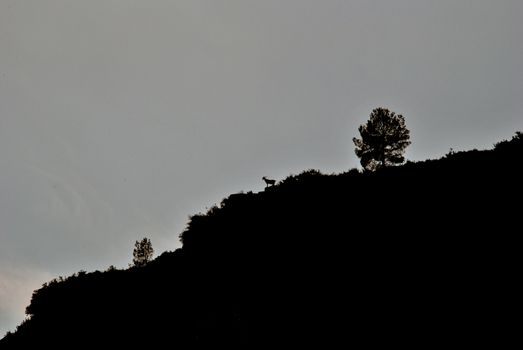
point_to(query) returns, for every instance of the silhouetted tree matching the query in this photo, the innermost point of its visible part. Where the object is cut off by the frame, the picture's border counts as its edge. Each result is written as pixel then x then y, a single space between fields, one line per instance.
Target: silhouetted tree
pixel 143 252
pixel 384 139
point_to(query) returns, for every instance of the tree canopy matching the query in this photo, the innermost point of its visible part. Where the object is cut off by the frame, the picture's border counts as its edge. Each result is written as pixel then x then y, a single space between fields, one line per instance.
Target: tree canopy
pixel 143 252
pixel 383 141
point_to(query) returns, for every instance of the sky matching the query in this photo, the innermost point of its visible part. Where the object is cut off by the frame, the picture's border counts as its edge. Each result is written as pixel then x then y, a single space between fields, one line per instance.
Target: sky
pixel 120 118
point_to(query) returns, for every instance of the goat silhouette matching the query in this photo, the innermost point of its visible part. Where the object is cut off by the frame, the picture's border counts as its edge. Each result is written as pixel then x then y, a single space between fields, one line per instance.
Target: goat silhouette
pixel 268 182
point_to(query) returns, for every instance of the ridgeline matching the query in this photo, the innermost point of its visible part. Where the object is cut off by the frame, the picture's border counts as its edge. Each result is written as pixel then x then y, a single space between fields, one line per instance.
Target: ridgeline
pixel 416 255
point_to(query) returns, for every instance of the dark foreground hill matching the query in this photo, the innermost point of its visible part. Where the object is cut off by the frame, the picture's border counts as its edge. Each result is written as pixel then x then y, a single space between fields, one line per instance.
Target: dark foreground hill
pixel 419 255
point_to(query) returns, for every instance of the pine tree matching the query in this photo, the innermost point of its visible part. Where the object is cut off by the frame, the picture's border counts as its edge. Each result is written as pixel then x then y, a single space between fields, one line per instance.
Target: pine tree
pixel 383 141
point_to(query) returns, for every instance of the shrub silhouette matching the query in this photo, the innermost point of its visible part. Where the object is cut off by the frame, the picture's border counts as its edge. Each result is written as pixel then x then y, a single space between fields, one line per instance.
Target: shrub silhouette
pixel 383 140
pixel 319 260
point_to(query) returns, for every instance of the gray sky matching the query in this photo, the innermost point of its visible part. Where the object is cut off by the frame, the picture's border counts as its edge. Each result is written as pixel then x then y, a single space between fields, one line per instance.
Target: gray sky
pixel 120 118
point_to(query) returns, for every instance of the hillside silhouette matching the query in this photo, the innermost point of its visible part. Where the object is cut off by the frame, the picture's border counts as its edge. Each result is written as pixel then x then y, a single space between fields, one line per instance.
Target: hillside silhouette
pixel 416 255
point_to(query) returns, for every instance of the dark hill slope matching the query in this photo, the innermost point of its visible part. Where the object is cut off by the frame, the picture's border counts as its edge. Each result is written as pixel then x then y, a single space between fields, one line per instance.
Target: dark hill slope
pixel 418 255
